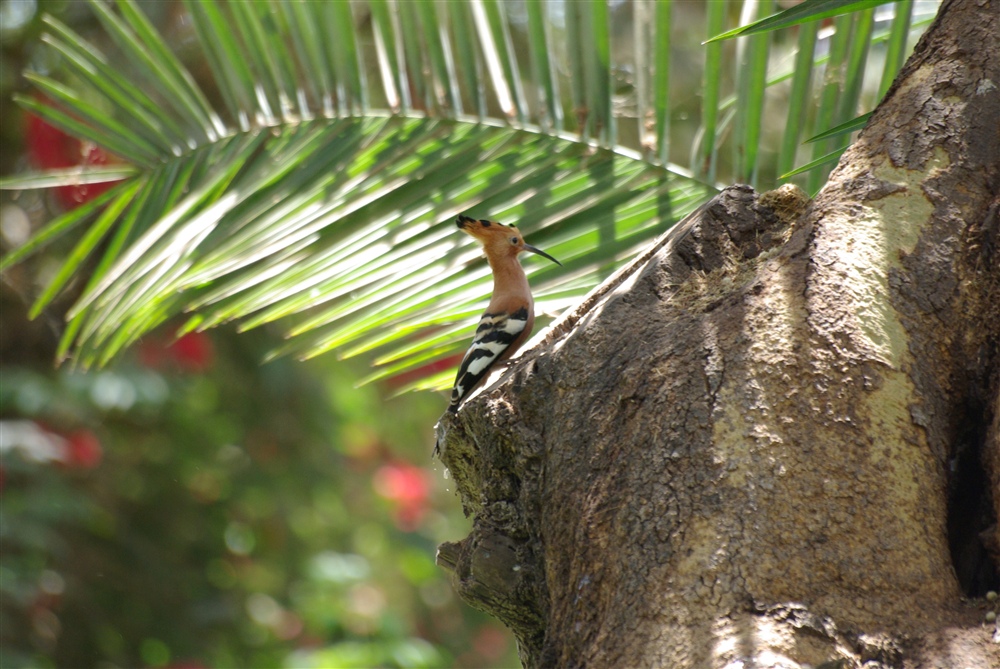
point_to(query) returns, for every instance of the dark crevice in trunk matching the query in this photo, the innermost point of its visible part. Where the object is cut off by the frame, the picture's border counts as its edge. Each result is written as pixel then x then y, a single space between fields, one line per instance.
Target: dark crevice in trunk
pixel 971 517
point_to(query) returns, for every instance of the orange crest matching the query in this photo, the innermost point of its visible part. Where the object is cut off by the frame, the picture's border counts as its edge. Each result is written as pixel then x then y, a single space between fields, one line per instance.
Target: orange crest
pixel 497 239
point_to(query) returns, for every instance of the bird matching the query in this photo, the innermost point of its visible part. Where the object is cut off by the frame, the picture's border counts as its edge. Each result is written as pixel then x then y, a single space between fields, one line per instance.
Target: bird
pixel 507 321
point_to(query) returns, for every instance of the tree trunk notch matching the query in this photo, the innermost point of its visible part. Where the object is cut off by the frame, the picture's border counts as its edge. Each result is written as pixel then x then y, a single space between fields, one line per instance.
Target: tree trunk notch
pixel 739 451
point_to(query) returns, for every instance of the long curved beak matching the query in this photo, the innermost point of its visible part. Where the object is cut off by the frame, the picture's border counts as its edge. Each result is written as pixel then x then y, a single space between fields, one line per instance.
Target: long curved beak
pixel 541 253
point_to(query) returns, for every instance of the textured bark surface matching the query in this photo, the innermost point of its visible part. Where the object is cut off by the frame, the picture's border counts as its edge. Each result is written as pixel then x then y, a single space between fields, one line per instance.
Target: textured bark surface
pixel 741 450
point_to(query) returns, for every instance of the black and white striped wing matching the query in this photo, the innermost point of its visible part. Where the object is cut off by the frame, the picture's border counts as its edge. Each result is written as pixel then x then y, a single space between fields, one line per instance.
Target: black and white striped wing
pixel 495 334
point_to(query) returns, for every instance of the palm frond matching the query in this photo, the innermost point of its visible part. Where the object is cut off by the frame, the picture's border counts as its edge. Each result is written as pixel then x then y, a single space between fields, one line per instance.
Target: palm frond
pixel 805 12
pixel 309 179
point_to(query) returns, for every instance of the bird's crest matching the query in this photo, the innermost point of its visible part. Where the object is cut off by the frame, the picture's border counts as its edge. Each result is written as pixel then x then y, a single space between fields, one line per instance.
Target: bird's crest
pixel 497 239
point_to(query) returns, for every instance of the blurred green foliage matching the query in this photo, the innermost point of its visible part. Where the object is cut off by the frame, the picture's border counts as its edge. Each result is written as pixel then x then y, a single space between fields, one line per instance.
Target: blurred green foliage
pixel 193 509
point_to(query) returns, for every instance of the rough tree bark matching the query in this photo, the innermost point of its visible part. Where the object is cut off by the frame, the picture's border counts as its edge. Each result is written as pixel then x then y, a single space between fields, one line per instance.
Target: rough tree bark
pixel 743 449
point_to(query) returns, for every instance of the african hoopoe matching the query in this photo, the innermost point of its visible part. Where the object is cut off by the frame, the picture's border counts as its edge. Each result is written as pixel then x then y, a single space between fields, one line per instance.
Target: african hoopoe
pixel 511 313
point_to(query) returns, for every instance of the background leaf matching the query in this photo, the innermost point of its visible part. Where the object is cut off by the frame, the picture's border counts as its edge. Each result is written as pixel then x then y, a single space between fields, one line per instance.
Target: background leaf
pixel 804 12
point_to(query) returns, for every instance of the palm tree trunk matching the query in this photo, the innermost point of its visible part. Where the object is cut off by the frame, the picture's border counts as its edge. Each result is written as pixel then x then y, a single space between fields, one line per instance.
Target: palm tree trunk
pixel 763 443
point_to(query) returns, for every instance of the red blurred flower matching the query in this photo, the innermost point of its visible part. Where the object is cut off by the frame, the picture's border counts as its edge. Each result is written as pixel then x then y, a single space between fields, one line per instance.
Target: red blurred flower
pixel 408 488
pixel 192 352
pixel 51 148
pixel 84 450
pixel 38 442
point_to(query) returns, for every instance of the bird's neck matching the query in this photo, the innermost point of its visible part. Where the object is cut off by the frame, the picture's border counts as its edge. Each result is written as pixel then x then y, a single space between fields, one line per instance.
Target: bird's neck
pixel 509 279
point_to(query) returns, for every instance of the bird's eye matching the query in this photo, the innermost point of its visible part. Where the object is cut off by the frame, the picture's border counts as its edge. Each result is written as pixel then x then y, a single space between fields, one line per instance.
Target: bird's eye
pixel 513 240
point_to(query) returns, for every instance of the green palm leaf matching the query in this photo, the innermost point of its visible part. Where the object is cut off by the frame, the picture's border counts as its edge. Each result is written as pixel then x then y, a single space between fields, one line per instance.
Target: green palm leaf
pixel 811 10
pixel 311 182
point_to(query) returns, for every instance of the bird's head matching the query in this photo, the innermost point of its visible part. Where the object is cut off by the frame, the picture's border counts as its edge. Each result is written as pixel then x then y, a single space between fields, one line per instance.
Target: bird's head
pixel 498 240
